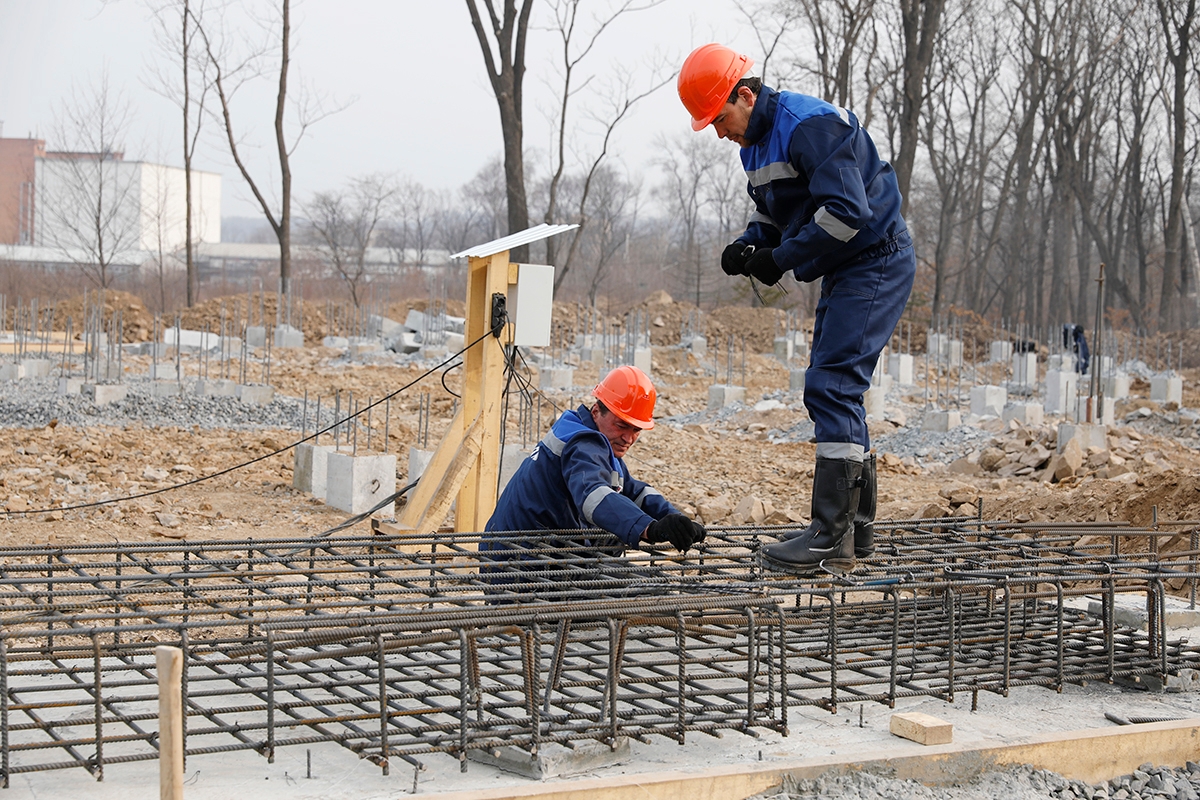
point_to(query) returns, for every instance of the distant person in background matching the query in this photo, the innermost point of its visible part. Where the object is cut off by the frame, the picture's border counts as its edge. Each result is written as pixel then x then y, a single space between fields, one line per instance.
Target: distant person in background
pixel 1076 343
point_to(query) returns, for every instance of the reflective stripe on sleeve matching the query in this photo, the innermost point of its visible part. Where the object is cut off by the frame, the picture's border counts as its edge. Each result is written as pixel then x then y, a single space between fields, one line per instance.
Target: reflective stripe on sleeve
pixel 593 501
pixel 774 171
pixel 553 443
pixel 649 491
pixel 834 226
pixel 758 216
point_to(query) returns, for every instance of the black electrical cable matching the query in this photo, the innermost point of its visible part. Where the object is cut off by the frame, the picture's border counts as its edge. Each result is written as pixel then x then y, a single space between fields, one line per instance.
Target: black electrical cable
pixel 227 470
pixel 446 372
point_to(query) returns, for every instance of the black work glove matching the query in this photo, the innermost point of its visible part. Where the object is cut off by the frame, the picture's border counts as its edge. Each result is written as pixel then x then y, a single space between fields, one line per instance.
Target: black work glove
pixel 733 258
pixel 676 529
pixel 762 266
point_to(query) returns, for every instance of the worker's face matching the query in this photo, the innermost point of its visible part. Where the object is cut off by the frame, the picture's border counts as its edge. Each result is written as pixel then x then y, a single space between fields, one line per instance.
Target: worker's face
pixel 734 118
pixel 620 434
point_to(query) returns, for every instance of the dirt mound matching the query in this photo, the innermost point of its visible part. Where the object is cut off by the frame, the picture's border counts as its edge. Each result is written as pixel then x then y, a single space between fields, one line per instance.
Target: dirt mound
pixel 137 323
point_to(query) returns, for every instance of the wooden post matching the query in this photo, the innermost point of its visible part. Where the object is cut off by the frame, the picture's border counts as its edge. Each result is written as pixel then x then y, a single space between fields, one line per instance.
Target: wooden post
pixel 170 722
pixel 483 387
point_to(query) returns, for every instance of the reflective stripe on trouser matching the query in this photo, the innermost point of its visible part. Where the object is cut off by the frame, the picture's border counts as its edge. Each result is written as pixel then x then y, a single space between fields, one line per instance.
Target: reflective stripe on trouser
pixel 861 302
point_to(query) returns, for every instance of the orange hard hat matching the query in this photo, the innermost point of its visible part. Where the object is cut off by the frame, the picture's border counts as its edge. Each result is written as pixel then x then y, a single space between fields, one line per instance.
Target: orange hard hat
pixel 628 393
pixel 707 79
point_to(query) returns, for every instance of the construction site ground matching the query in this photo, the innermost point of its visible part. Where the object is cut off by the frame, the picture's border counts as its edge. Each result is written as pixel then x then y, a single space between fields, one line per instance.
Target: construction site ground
pixel 734 466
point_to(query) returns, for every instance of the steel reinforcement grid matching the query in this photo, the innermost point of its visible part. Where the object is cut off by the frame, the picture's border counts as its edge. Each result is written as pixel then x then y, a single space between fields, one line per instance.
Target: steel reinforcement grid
pixel 397 648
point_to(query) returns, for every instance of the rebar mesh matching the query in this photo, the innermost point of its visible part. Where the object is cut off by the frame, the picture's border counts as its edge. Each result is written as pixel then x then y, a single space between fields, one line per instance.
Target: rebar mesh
pixel 402 647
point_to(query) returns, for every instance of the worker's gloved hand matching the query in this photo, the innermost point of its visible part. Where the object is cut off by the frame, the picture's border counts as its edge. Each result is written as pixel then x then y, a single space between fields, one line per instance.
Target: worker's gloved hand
pixel 762 266
pixel 676 529
pixel 733 258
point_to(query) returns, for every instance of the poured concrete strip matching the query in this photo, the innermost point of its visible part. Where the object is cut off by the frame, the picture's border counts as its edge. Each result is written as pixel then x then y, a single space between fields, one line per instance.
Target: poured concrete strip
pixel 1090 755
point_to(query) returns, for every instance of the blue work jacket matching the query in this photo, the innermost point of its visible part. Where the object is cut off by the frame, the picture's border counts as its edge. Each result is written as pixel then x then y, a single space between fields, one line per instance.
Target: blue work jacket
pixel 573 481
pixel 821 193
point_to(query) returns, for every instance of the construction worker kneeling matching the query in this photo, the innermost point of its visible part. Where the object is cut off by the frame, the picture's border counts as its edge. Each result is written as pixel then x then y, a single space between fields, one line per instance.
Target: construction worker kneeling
pixel 572 505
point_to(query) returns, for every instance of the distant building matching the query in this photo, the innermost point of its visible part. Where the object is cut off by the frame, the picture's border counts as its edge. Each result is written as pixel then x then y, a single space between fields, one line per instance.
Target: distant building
pixel 58 207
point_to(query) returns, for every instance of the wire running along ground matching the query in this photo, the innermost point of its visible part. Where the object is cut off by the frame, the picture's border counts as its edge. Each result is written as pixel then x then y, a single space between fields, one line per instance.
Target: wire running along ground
pixel 113 500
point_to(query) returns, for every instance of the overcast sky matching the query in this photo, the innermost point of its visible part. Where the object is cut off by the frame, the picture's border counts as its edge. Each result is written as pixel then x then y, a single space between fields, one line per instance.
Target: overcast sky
pixel 422 106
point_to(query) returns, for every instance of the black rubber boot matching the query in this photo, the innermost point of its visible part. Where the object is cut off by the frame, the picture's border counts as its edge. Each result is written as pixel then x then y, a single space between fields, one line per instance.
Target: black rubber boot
pixel 864 517
pixel 837 485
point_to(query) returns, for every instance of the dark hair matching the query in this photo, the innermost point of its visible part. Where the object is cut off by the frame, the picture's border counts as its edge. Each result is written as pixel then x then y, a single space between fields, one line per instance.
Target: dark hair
pixel 602 408
pixel 753 84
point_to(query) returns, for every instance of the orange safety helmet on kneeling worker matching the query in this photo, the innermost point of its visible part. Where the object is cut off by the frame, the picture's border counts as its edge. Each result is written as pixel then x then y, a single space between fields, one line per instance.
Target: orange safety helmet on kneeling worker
pixel 628 393
pixel 706 80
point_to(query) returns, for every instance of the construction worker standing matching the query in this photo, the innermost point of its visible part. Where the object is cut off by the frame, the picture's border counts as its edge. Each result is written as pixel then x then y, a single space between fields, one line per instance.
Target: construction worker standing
pixel 576 478
pixel 826 207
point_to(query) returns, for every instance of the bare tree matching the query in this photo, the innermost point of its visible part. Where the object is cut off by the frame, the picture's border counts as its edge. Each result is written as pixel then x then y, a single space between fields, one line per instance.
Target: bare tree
pixel 88 197
pixel 175 33
pixel 232 66
pixel 506 72
pixel 1179 24
pixel 345 224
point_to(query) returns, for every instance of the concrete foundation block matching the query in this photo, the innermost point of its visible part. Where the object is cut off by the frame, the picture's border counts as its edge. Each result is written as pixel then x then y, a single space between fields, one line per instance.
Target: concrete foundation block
pixel 941 421
pixel 873 401
pixel 416 320
pixel 1166 389
pixel 1056 363
pixel 355 484
pixel 721 395
pixel 403 342
pixel 556 378
pixel 164 388
pixel 1061 388
pixel 104 393
pixel 221 387
pixel 954 352
pixel 1028 414
pixel 1116 385
pixel 1105 416
pixel 311 468
pixel 455 342
pixel 784 348
pixel 287 336
pixel 593 355
pixel 796 380
pixel 554 760
pixel 359 347
pixel 12 372
pixel 256 336
pixel 68 386
pixel 192 340
pixel 699 346
pixel 642 359
pixel 883 381
pixel 583 340
pixel 1087 435
pixel 336 342
pixel 37 367
pixel 164 372
pixel 988 400
pixel 999 352
pixel 900 367
pixel 437 352
pixel 255 394
pixel 418 460
pixel 1024 369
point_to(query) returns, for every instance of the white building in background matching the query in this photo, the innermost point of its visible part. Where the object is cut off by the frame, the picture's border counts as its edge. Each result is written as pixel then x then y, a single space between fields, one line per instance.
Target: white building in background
pixel 88 204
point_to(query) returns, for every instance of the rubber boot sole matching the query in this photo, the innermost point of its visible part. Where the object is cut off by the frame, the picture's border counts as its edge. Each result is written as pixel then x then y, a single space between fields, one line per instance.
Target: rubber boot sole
pixel 831 566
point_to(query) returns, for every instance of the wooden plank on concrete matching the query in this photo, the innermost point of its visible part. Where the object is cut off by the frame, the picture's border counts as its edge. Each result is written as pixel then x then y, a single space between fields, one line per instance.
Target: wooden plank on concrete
pixel 921 728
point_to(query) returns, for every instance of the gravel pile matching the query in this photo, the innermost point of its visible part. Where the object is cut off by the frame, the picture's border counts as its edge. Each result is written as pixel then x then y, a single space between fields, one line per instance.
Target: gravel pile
pixel 1018 783
pixel 34 402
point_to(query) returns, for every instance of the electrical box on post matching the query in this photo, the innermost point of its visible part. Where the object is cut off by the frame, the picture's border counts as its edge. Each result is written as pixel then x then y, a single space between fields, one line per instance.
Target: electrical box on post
pixel 530 303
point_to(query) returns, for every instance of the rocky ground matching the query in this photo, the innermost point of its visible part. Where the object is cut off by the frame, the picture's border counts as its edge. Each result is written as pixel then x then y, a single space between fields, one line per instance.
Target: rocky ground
pixel 747 463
